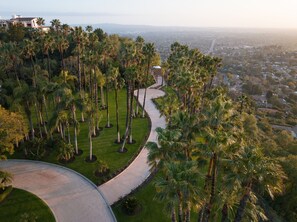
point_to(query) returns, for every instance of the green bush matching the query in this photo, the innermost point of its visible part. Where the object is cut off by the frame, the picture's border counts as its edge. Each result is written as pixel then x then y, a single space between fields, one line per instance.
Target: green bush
pixel 102 168
pixel 131 206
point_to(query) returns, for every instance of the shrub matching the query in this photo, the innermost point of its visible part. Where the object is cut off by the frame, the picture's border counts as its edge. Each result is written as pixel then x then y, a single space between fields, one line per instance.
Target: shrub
pixel 131 206
pixel 66 152
pixel 101 168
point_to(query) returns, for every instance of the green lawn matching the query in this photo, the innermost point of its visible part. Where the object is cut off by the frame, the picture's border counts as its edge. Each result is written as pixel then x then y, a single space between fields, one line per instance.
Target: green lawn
pixel 21 202
pixel 103 146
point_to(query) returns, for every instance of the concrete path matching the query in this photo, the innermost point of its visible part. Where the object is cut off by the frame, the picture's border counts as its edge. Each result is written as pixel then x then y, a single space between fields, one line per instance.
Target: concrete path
pixel 70 196
pixel 136 173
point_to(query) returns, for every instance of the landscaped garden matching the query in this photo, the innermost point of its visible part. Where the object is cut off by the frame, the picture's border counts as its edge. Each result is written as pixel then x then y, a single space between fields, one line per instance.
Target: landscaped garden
pixel 104 146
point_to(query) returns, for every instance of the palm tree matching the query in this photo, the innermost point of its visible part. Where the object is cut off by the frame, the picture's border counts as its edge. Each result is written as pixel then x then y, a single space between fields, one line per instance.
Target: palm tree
pixel 149 52
pixel 78 39
pixel 215 129
pixel 25 96
pixel 90 110
pixel 114 74
pixel 48 45
pixel 66 152
pixel 29 52
pixel 130 74
pixel 73 101
pixel 62 45
pixel 56 24
pixel 166 151
pixel 40 21
pixel 89 28
pixel 254 171
pixel 180 188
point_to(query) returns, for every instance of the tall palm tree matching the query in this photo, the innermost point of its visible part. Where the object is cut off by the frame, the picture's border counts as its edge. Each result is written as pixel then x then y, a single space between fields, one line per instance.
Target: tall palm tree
pixel 254 171
pixel 56 24
pixel 29 52
pixel 166 151
pixel 215 129
pixel 40 21
pixel 62 45
pixel 25 96
pixel 118 82
pixel 48 46
pixel 90 110
pixel 73 102
pixel 149 52
pixel 78 39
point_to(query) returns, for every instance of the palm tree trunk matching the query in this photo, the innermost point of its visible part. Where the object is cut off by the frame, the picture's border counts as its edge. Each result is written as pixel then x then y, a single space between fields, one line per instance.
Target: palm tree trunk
pixel 143 106
pixel 173 215
pixel 48 66
pixel 75 139
pixel 28 114
pixel 127 118
pixel 46 113
pixel 82 117
pixel 90 140
pixel 131 113
pixel 102 96
pixel 79 70
pixel 84 76
pixel 68 132
pixel 97 105
pixel 188 212
pixel 34 72
pixel 62 60
pixel 180 207
pixel 38 120
pixel 224 213
pixel 61 131
pixel 117 114
pixel 137 102
pixel 242 203
pixel 107 108
pixel 213 186
pixel 146 79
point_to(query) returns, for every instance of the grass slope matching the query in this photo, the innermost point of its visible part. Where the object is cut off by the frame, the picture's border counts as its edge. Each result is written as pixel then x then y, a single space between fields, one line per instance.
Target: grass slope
pixel 103 145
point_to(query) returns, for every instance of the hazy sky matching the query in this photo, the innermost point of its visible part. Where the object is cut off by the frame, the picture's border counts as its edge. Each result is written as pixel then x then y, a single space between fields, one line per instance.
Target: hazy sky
pixel 200 13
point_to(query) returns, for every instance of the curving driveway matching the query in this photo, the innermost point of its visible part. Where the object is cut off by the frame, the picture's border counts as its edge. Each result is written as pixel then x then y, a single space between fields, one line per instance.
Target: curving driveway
pixel 137 172
pixel 69 195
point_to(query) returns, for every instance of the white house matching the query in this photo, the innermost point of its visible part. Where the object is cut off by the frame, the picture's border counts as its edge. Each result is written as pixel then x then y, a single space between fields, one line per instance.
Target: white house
pixel 30 22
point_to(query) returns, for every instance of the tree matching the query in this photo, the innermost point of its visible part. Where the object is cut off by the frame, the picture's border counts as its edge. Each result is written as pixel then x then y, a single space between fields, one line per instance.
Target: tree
pixel 24 96
pixel 118 83
pixel 149 52
pixel 72 102
pixel 13 129
pixel 166 151
pixel 29 52
pixel 40 21
pixel 256 172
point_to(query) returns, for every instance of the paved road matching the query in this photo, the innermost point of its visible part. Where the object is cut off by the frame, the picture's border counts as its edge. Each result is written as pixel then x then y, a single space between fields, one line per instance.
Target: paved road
pixel 136 173
pixel 70 196
pixel 210 51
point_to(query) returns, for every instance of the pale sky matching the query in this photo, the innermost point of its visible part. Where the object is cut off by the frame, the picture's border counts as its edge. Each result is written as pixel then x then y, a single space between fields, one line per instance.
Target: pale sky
pixel 196 13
